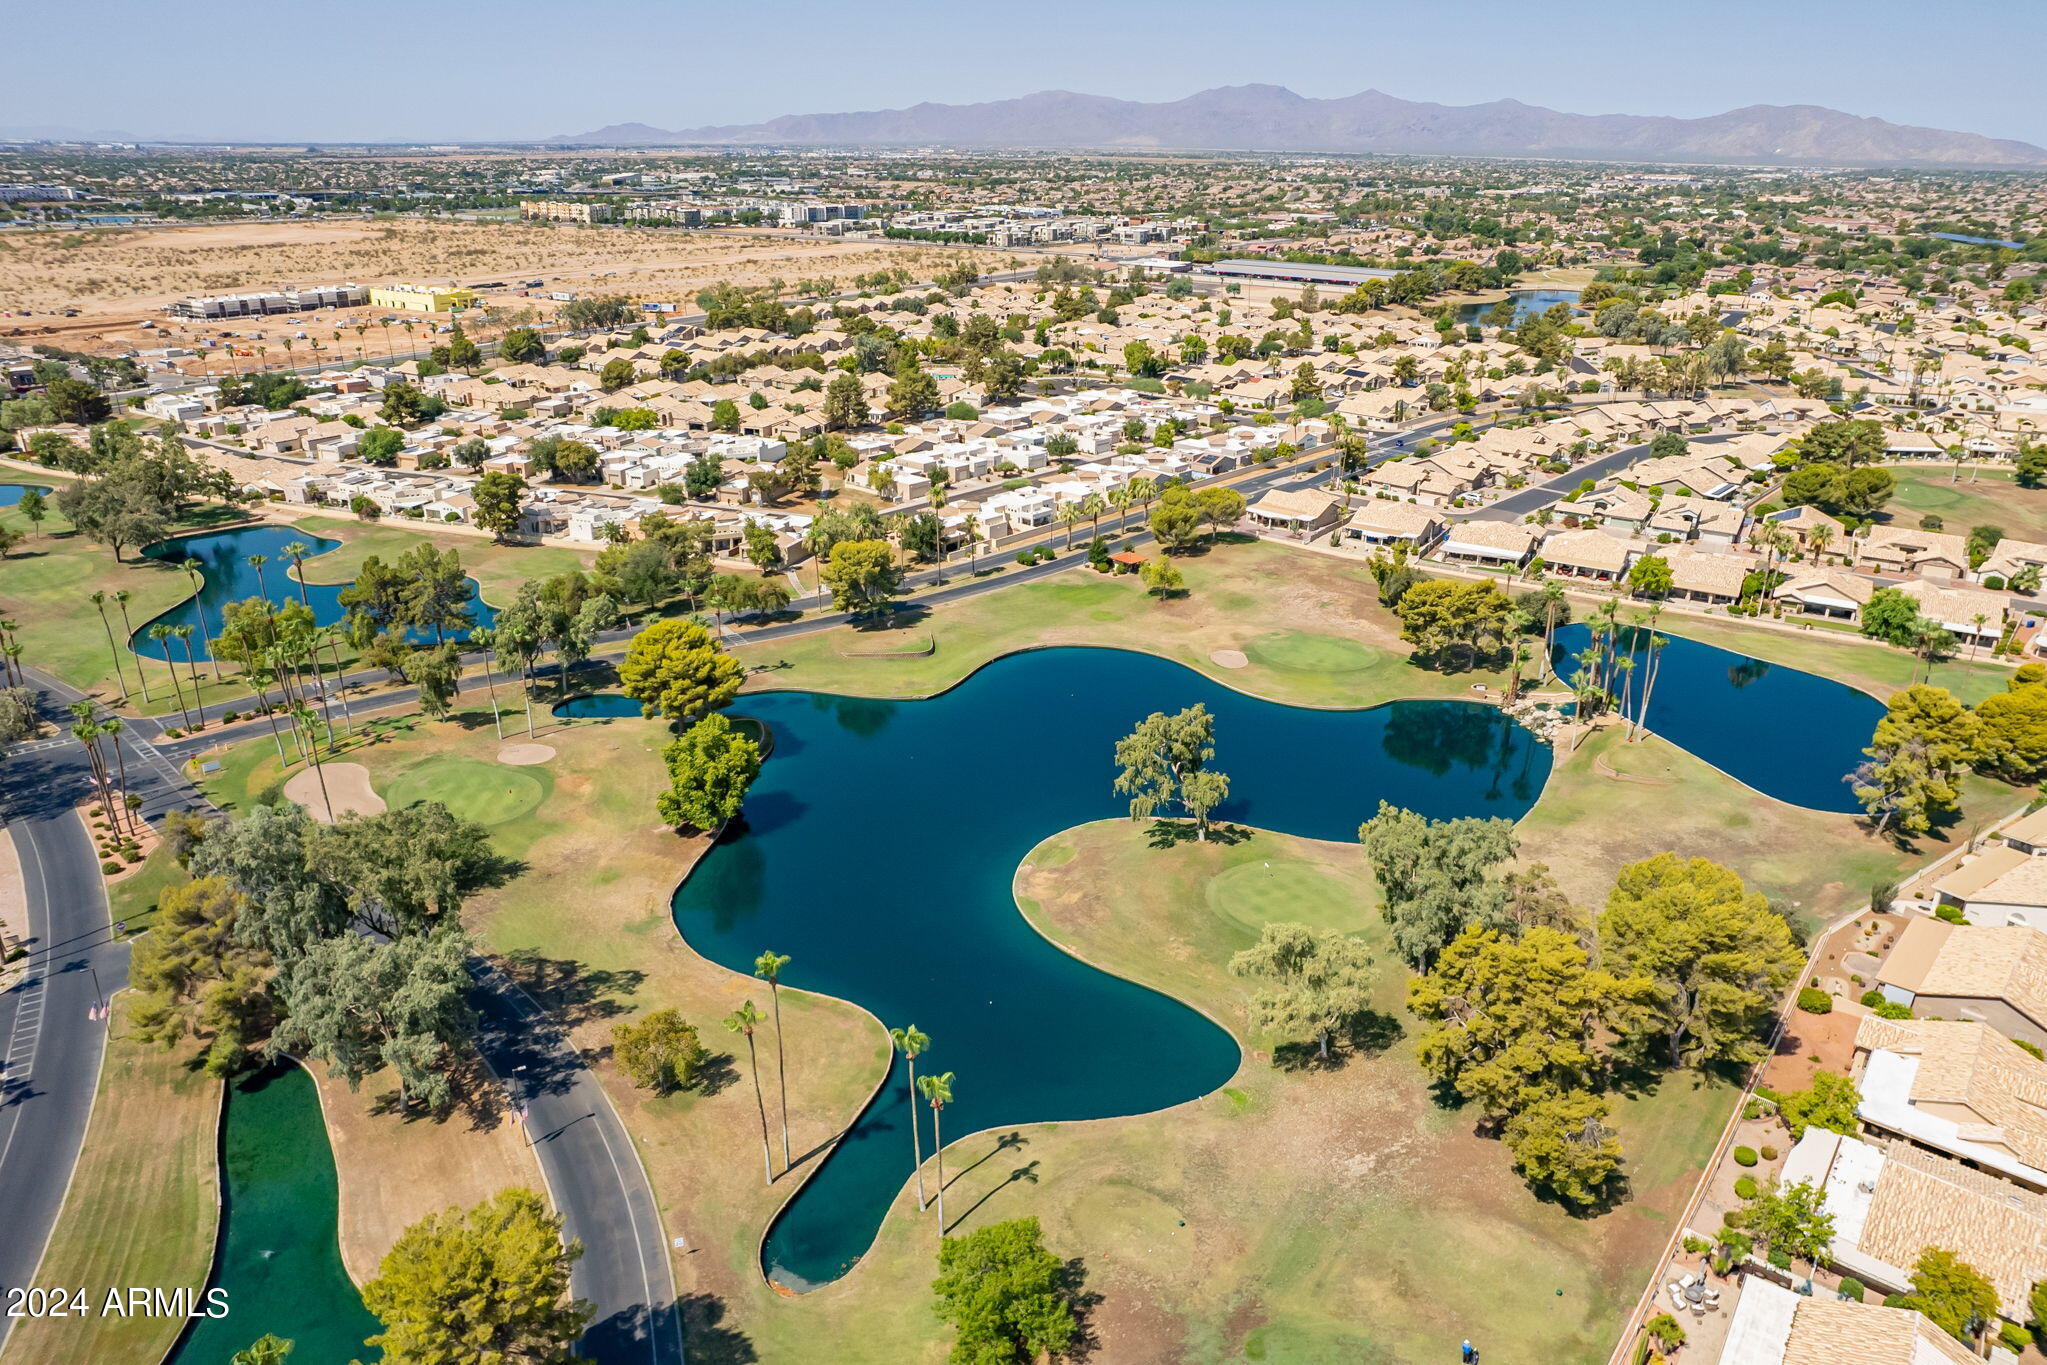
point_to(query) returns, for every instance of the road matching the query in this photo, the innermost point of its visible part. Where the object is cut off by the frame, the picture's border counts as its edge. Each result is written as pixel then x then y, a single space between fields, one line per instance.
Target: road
pixel 1520 503
pixel 54 1049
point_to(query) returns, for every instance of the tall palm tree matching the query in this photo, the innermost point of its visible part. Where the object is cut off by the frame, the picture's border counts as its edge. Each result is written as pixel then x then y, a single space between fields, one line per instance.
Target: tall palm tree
pixel 1822 536
pixel 1070 515
pixel 768 967
pixel 744 1020
pixel 160 635
pixel 485 639
pixel 99 602
pixel 937 1090
pixel 11 651
pixel 198 605
pixel 296 553
pixel 303 717
pixel 260 677
pixel 911 1041
pixel 87 733
pixel 257 562
pixel 328 635
pixel 121 601
pixel 184 637
pixel 112 727
pixel 1093 505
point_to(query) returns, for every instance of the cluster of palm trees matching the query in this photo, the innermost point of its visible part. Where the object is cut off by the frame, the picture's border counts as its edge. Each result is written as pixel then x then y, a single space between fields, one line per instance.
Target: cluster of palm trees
pixel 1140 493
pixel 90 731
pixel 1605 672
pixel 10 655
pixel 937 1092
pixel 744 1020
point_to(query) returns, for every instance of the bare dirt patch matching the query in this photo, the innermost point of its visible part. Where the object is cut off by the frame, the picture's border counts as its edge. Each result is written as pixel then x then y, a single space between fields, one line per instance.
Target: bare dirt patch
pixel 347 786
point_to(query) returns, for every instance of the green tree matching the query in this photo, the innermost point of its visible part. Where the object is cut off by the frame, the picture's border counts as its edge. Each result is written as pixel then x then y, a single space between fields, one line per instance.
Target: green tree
pixel 1163 762
pixel 913 391
pixel 1516 1019
pixel 1916 758
pixel 488 1283
pixel 617 374
pixel 744 1021
pixel 1717 954
pixel 725 415
pixel 437 674
pixel 498 496
pixel 360 1005
pixel 1562 1143
pixel 660 1052
pixel 194 974
pixel 2012 729
pixel 674 669
pixel 768 967
pixel 1954 1295
pixel 845 403
pixel 710 767
pixel 1793 1219
pixel 1891 616
pixel 1650 576
pixel 1005 1295
pixel 522 346
pixel 913 1042
pixel 863 576
pixel 1830 1102
pixel 75 401
pixel 1311 984
pixel 1441 616
pixel 1162 578
pixel 1433 879
pixel 407 405
pixel 937 1092
pixel 1176 522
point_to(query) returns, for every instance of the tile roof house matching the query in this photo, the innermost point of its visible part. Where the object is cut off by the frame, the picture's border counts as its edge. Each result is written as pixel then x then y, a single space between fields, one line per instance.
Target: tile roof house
pixel 2005 885
pixel 1827 592
pixel 1589 554
pixel 1777 1326
pixel 1907 550
pixel 1892 1201
pixel 1957 609
pixel 1503 543
pixel 1958 1088
pixel 1382 521
pixel 1993 974
pixel 1304 512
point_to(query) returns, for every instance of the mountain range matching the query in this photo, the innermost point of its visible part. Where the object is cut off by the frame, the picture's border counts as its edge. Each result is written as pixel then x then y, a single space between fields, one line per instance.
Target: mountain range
pixel 1271 118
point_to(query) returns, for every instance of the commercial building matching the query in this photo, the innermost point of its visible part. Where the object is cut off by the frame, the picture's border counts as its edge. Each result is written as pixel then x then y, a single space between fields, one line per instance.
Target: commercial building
pixel 213 306
pixel 1286 272
pixel 563 211
pixel 422 298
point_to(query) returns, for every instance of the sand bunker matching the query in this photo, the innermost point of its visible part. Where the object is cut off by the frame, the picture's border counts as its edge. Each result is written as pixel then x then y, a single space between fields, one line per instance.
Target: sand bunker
pixel 1228 658
pixel 525 755
pixel 348 786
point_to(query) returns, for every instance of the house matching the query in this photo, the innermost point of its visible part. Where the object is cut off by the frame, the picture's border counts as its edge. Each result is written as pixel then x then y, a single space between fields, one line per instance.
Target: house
pixel 1814 529
pixel 1835 593
pixel 1589 554
pixel 1379 521
pixel 1892 1201
pixel 1500 544
pixel 1305 513
pixel 1773 1325
pixel 2028 833
pixel 2010 560
pixel 1715 579
pixel 1700 519
pixel 1961 1089
pixel 1907 551
pixel 2002 885
pixel 1972 615
pixel 1994 974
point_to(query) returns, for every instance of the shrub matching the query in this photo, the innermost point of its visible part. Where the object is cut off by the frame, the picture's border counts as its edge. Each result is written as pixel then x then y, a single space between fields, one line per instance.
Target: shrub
pixel 1695 1245
pixel 1813 1000
pixel 1951 913
pixel 110 867
pixel 2016 1338
pixel 1851 1288
pixel 1733 1218
pixel 1781 1260
pixel 1746 1187
pixel 1737 1243
pixel 230 717
pixel 2033 1048
pixel 1744 1156
pixel 1665 1329
pixel 1027 557
pixel 1889 1010
pixel 1769 1153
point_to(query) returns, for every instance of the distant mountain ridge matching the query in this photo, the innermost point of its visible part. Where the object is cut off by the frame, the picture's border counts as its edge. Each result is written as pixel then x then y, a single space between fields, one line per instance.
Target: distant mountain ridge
pixel 1271 118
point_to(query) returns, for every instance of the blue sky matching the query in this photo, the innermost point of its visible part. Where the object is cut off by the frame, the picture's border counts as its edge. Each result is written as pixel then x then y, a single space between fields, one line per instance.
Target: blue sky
pixel 531 68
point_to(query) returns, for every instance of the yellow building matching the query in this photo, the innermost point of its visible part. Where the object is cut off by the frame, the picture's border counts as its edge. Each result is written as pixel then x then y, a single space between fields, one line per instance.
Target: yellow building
pixel 564 211
pixel 422 298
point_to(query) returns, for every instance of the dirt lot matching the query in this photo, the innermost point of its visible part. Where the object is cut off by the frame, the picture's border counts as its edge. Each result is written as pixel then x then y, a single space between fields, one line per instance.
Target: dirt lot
pixel 119 277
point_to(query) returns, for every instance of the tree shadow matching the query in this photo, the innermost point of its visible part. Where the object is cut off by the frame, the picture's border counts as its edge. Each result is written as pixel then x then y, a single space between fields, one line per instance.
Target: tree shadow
pixel 1169 833
pixel 1006 1142
pixel 714 1074
pixel 573 992
pixel 1026 1174
pixel 1072 1287
pixel 709 1340
pixel 1365 1034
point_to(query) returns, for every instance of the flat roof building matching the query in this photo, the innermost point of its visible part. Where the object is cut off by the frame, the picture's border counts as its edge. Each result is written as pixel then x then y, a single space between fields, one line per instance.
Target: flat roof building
pixel 422 298
pixel 1287 272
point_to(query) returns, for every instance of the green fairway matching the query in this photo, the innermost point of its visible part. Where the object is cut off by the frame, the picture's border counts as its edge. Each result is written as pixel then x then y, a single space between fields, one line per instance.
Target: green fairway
pixel 476 789
pixel 1982 498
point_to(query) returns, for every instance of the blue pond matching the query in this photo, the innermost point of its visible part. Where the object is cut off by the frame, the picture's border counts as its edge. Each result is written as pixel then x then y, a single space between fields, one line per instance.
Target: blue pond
pixel 1787 733
pixel 223 560
pixel 597 706
pixel 1525 301
pixel 879 845
pixel 11 493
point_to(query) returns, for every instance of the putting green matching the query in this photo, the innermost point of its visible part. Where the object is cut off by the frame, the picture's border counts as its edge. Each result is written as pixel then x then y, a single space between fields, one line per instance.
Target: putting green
pixel 1296 651
pixel 1256 893
pixel 488 793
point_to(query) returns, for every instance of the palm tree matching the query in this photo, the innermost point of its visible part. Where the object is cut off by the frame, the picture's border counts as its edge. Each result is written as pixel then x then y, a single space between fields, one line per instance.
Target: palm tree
pixel 99 602
pixel 260 676
pixel 121 600
pixel 184 637
pixel 1821 536
pixel 485 639
pixel 744 1020
pixel 768 967
pixel 1071 514
pixel 1975 640
pixel 87 733
pixel 11 651
pixel 257 562
pixel 911 1041
pixel 296 553
pixel 198 585
pixel 112 728
pixel 304 719
pixel 1093 505
pixel 160 635
pixel 938 1091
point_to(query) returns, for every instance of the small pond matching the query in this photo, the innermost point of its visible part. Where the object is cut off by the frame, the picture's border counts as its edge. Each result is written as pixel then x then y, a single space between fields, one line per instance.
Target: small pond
pixel 1525 301
pixel 879 846
pixel 1787 733
pixel 278 1255
pixel 223 560
pixel 12 493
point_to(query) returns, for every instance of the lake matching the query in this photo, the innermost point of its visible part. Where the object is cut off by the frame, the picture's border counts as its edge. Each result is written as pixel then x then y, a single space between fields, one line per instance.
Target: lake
pixel 878 849
pixel 223 560
pixel 1525 301
pixel 11 493
pixel 278 1255
pixel 1788 733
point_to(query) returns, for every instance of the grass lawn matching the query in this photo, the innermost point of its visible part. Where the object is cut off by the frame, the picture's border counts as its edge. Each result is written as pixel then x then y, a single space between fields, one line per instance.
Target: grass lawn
pixel 1983 497
pixel 1310 626
pixel 1590 822
pixel 497 569
pixel 1877 669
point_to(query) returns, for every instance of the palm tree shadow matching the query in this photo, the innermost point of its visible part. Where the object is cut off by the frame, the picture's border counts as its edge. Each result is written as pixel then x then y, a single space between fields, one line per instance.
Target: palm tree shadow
pixel 1024 1174
pixel 1006 1142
